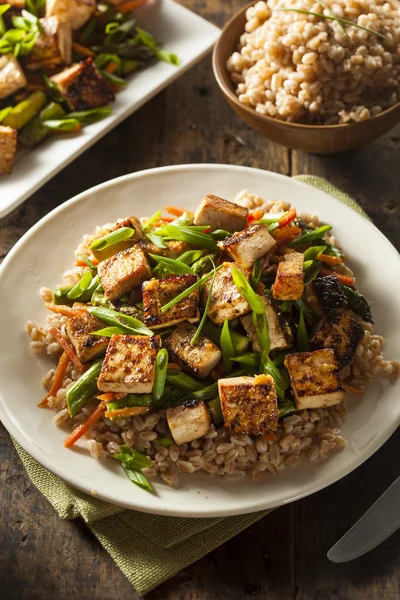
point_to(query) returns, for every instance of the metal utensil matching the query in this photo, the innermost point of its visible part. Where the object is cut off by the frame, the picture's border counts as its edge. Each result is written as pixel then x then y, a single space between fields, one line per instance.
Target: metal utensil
pixel 375 526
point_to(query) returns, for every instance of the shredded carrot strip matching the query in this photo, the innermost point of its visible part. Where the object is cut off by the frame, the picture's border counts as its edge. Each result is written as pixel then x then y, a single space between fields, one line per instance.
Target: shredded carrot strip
pixel 329 260
pixel 111 67
pixel 58 379
pixel 286 235
pixel 82 49
pixel 66 311
pixel 352 390
pixel 111 396
pixel 68 350
pixel 84 427
pixel 172 365
pixel 174 210
pixel 288 218
pixel 255 216
pixel 131 411
pixel 81 263
pixel 130 5
pixel 345 279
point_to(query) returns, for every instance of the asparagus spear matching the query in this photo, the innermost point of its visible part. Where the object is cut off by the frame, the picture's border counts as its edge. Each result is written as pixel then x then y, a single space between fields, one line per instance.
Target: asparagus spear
pixel 25 111
pixel 35 131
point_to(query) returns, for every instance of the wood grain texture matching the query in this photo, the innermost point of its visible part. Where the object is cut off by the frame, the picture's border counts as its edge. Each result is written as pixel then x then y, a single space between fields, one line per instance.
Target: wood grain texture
pixel 283 556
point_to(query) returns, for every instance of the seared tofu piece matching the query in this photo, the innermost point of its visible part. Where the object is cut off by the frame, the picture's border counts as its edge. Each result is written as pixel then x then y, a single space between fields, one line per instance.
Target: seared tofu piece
pixel 8 148
pixel 280 334
pixel 249 404
pixel 221 214
pixel 120 273
pixel 188 421
pixel 74 12
pixel 314 379
pixel 131 222
pixel 226 300
pixel 246 246
pixel 12 77
pixel 79 330
pixel 82 86
pixel 341 334
pixel 53 47
pixel 329 293
pixel 173 249
pixel 129 364
pixel 157 292
pixel 198 360
pixel 289 282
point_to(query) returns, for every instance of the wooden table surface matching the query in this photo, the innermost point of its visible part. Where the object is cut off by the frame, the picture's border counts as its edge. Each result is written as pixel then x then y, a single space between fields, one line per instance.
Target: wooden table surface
pixel 284 555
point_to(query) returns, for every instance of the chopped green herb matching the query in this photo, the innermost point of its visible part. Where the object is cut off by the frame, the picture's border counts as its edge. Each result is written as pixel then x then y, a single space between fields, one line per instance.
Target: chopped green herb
pixel 119 235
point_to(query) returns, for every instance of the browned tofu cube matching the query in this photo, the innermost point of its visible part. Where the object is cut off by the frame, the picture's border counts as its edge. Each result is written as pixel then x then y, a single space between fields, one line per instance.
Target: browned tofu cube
pixel 8 148
pixel 129 364
pixel 280 334
pixel 157 292
pixel 249 404
pixel 246 246
pixel 120 273
pixel 289 282
pixel 79 330
pixel 12 77
pixel 226 300
pixel 221 214
pixel 82 86
pixel 341 334
pixel 131 223
pixel 198 360
pixel 74 12
pixel 314 378
pixel 188 422
pixel 53 47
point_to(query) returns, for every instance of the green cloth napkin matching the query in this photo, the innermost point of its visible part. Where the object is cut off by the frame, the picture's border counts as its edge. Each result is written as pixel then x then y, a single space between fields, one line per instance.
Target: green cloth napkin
pixel 147 548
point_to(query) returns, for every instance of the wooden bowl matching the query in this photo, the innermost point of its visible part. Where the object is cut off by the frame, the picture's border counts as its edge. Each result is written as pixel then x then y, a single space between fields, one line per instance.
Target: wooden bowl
pixel 318 139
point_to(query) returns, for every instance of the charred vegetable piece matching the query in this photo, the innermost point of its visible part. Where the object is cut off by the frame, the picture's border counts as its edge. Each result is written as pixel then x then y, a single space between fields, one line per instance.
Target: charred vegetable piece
pixel 35 131
pixel 357 303
pixel 341 334
pixel 330 293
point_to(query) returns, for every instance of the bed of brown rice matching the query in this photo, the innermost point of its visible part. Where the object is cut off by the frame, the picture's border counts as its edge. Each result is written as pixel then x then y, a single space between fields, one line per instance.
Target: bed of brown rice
pixel 311 433
pixel 303 68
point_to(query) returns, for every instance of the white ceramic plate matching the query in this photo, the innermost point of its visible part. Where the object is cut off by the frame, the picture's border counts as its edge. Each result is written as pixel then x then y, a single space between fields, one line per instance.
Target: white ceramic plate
pixel 181 31
pixel 42 255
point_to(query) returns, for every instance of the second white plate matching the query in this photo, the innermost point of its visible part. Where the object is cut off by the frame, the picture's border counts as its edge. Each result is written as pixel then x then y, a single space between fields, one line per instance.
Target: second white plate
pixel 182 32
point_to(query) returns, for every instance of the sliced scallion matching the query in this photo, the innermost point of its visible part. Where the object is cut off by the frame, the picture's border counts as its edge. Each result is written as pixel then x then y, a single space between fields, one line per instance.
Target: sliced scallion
pixel 228 351
pixel 119 235
pixel 204 316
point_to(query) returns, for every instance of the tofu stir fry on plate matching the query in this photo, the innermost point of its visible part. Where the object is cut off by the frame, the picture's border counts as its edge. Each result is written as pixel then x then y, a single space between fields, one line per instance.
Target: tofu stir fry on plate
pixel 208 341
pixel 61 63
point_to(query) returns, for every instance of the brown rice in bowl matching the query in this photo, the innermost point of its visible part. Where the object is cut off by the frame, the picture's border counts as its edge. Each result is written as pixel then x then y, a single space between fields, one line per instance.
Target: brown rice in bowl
pixel 312 433
pixel 302 68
